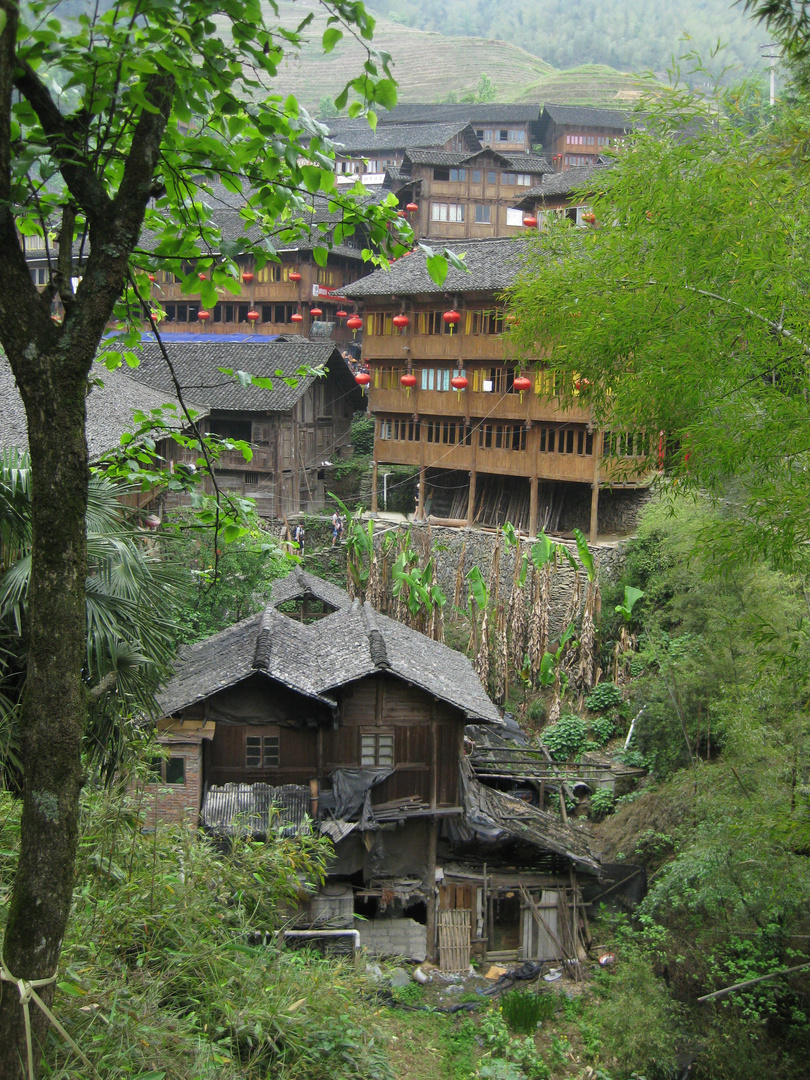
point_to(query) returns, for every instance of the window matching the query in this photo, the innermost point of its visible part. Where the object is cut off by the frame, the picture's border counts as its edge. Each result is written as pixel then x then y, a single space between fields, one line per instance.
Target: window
pixel 476 176
pixel 446 212
pixel 168 770
pixel 431 322
pixel 435 379
pixel 376 749
pixel 441 174
pixel 479 132
pixel 492 176
pixel 261 751
pixel 457 175
pixel 269 272
pixel 251 478
pixel 487 322
pixel 385 429
pixel 483 214
pixel 503 135
pixel 514 217
pixel 517 136
pixel 502 436
pixel 229 428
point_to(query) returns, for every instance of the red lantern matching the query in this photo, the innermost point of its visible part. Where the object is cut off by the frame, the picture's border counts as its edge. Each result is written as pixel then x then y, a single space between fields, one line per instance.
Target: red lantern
pixel 152 277
pixel 296 318
pixel 341 314
pixel 315 312
pixel 253 316
pixel 521 384
pixel 459 383
pixel 400 213
pixel 294 275
pixel 247 277
pixel 362 378
pixel 408 380
pixel 400 321
pixel 201 276
pixel 203 316
pixel 530 221
pixel 354 323
pixel 451 318
pixel 412 208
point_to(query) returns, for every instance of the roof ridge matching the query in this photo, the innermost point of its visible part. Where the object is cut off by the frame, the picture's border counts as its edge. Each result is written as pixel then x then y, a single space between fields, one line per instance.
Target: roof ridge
pixel 376 641
pixel 264 641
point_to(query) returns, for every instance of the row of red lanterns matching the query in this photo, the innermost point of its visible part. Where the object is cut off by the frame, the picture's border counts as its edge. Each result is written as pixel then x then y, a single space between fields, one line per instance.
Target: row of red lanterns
pixel 353 323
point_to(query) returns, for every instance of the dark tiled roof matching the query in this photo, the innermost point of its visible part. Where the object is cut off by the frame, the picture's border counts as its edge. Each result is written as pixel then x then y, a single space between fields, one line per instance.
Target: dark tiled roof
pixel 473 113
pixel 356 136
pixel 564 183
pixel 528 163
pixel 584 116
pixel 531 163
pixel 437 157
pixel 197 366
pixel 109 409
pixel 317 658
pixel 492 267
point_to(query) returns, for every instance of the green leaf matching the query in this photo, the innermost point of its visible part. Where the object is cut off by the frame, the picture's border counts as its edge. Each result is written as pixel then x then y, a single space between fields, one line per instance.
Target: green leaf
pixel 330 38
pixel 478 587
pixel 542 551
pixel 585 554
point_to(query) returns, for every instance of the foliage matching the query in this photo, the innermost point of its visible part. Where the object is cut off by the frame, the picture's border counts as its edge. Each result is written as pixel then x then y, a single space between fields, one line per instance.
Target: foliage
pixel 566 738
pixel 510 1058
pixel 523 1011
pixel 602 728
pixel 631 598
pixel 600 803
pixel 628 34
pixel 603 696
pixel 226 582
pixel 133 600
pixel 362 433
pixel 550 666
pixel 700 304
pixel 160 950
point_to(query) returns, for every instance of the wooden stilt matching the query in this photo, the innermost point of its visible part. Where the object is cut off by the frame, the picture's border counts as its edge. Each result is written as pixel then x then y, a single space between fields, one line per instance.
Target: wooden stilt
pixel 597 441
pixel 430 891
pixel 374 487
pixel 533 506
pixel 420 508
pixel 471 499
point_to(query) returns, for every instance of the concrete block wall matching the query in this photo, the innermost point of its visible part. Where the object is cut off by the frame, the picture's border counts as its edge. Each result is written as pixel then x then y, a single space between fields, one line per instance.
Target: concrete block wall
pixel 393 937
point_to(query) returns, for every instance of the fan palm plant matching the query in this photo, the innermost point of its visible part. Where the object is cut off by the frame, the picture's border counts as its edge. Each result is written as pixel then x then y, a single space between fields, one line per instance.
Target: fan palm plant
pixel 131 596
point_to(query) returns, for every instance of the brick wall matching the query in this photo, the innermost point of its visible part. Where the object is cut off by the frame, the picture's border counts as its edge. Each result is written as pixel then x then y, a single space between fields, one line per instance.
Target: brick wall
pixel 177 804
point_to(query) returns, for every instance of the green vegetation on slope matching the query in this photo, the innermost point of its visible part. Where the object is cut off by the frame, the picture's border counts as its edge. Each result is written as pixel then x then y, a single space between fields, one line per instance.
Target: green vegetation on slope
pixel 431 67
pixel 632 35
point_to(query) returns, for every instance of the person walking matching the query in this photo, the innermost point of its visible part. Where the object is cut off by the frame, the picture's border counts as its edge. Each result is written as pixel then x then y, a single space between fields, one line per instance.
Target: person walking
pixel 337 528
pixel 298 538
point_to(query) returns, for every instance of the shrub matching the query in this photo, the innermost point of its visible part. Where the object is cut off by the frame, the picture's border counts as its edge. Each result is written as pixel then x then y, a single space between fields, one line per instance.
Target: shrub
pixel 602 728
pixel 523 1011
pixel 566 737
pixel 363 433
pixel 603 696
pixel 537 710
pixel 601 803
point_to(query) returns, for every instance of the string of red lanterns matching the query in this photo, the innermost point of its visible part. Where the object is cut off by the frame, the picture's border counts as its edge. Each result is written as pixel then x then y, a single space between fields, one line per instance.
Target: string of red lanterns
pixel 452 318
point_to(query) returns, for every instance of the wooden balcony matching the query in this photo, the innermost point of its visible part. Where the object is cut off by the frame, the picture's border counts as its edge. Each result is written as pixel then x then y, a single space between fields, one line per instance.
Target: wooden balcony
pixel 474 404
pixel 447 347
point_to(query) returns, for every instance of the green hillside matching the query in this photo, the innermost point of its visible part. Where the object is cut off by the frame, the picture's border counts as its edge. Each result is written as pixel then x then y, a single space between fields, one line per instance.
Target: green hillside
pixel 430 66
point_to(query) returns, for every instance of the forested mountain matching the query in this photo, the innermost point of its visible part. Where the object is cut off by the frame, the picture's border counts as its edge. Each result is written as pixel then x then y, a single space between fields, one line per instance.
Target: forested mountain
pixel 632 35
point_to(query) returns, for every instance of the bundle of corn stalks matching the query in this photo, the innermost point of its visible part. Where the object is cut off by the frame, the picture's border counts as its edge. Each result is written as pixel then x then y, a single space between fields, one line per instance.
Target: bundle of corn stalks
pixel 500 659
pixel 373 592
pixel 516 617
pixel 459 589
pixel 481 662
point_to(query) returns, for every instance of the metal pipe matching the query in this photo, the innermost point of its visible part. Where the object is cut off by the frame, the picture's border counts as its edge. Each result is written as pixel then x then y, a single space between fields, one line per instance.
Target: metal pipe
pixel 385 490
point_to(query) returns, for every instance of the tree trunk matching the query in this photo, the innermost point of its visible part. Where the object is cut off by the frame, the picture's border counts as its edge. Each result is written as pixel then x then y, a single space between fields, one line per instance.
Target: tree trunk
pixel 54 707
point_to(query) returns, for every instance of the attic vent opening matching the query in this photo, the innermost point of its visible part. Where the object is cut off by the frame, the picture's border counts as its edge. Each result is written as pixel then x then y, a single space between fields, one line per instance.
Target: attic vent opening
pixel 306 609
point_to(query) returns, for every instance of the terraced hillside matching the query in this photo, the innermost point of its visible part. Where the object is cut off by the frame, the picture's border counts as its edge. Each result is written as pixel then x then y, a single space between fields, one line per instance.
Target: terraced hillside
pixel 429 66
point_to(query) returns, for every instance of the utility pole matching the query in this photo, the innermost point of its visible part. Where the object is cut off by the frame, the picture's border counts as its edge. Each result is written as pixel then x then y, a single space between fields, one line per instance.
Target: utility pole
pixel 773 57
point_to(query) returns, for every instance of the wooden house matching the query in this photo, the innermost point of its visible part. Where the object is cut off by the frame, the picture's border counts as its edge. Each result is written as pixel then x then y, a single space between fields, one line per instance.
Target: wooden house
pixel 500 448
pixel 564 194
pixel 578 134
pixel 467 195
pixel 294 429
pixel 295 295
pixel 367 155
pixel 349 722
pixel 508 127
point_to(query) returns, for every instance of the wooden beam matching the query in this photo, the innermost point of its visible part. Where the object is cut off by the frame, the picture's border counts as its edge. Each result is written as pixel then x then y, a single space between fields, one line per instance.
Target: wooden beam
pixel 420 507
pixel 374 486
pixel 471 499
pixel 430 890
pixel 597 439
pixel 533 506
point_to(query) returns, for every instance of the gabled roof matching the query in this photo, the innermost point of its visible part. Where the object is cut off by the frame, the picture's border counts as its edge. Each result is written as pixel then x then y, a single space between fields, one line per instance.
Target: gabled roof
pixel 316 659
pixel 563 183
pixel 585 116
pixel 492 266
pixel 109 409
pixel 197 365
pixel 355 136
pixel 495 112
pixel 529 163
